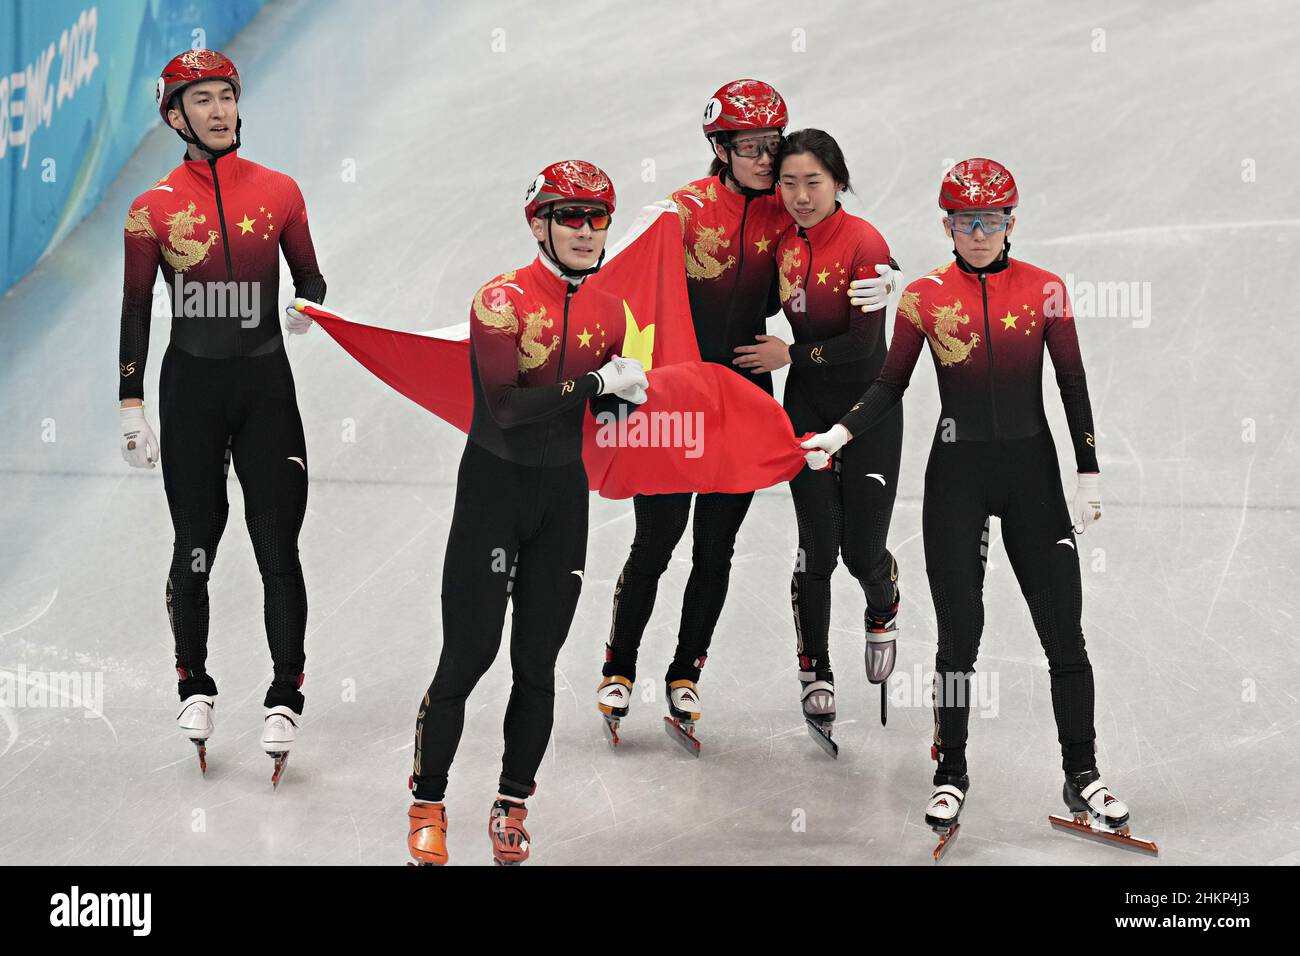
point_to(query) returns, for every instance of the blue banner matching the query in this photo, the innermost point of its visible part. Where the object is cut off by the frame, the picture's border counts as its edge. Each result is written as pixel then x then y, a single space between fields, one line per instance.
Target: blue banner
pixel 77 84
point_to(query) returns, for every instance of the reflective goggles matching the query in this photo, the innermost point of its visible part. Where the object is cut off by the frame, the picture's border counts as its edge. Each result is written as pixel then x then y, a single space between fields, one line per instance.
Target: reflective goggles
pixel 988 222
pixel 755 146
pixel 573 217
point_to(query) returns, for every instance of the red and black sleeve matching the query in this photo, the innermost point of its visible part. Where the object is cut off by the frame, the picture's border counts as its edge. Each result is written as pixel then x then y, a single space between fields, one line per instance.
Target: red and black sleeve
pixel 1061 337
pixel 887 390
pixel 495 352
pixel 299 253
pixel 139 271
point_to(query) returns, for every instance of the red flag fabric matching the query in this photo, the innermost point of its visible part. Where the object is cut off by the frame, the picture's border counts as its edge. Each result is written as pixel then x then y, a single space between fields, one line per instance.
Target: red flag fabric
pixel 432 372
pixel 704 428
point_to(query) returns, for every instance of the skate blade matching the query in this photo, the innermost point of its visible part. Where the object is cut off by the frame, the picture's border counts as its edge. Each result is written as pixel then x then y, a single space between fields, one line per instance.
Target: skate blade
pixel 946 839
pixel 611 733
pixel 683 735
pixel 821 734
pixel 507 862
pixel 1102 835
pixel 884 706
pixel 277 772
pixel 202 747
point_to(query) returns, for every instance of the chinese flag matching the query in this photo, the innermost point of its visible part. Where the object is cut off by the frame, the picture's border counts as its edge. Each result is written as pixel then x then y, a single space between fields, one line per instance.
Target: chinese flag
pixel 703 429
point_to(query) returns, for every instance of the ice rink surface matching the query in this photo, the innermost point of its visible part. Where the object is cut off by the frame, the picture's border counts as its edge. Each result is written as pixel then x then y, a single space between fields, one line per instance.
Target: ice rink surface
pixel 1167 160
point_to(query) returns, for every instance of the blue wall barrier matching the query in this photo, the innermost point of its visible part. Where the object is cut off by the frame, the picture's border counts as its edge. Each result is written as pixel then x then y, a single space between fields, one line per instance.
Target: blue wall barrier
pixel 77 82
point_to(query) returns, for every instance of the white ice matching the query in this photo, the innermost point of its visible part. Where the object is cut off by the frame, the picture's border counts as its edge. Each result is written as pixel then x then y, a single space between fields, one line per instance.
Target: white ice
pixel 1168 159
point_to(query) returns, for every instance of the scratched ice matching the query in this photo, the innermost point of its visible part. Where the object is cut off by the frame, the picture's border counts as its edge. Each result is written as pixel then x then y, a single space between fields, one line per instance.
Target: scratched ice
pixel 1147 164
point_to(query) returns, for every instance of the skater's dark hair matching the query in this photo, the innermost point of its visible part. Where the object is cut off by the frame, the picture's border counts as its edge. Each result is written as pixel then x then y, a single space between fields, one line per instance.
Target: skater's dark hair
pixel 718 165
pixel 821 144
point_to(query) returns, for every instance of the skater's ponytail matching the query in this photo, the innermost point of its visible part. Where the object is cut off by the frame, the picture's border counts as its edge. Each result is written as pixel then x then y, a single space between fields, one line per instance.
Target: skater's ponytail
pixel 821 144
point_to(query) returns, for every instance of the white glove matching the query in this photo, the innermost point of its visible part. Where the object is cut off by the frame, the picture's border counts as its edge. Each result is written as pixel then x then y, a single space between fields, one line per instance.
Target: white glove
pixel 1086 507
pixel 636 395
pixel 824 446
pixel 622 377
pixel 872 294
pixel 139 446
pixel 295 321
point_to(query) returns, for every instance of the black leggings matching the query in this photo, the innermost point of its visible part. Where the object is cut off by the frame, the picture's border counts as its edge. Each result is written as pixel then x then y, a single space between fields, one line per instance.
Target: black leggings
pixel 518 534
pixel 660 524
pixel 1018 480
pixel 213 411
pixel 842 510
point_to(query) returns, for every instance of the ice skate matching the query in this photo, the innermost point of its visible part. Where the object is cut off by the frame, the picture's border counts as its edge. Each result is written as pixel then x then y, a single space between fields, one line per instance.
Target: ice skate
pixel 279 728
pixel 1097 814
pixel 881 649
pixel 510 840
pixel 427 837
pixel 818 701
pixel 943 810
pixel 613 699
pixel 683 712
pixel 196 722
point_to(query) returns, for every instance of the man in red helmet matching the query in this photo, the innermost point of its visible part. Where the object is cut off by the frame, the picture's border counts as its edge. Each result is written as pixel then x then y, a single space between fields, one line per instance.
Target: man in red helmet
pixel 542 345
pixel 988 322
pixel 731 221
pixel 215 226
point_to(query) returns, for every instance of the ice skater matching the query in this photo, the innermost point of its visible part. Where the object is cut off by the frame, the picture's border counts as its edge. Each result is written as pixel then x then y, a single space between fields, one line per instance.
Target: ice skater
pixel 542 345
pixel 731 221
pixel 216 225
pixel 838 350
pixel 988 319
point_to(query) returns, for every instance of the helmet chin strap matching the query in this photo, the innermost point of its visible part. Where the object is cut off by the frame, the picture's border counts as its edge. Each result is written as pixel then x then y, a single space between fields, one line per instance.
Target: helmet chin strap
pixel 193 137
pixel 568 273
pixel 741 187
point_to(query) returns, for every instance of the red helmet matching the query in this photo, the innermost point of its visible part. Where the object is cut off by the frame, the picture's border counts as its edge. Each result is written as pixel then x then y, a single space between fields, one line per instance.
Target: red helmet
pixel 742 105
pixel 193 66
pixel 978 184
pixel 569 179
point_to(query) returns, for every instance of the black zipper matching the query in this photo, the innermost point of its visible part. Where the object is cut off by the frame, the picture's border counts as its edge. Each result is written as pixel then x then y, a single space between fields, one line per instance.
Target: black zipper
pixel 564 342
pixel 559 369
pixel 735 286
pixel 221 215
pixel 225 246
pixel 988 341
pixel 808 271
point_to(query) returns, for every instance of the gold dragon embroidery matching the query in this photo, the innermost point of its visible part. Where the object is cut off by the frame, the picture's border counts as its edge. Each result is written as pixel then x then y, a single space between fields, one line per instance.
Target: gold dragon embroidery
pixel 907 305
pixel 789 261
pixel 701 262
pixel 950 349
pixel 181 251
pixel 503 318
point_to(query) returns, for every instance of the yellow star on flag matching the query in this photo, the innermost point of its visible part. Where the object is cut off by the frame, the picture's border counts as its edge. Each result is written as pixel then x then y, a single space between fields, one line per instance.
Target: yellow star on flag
pixel 584 338
pixel 246 226
pixel 1009 320
pixel 638 343
pixel 821 277
pixel 762 243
